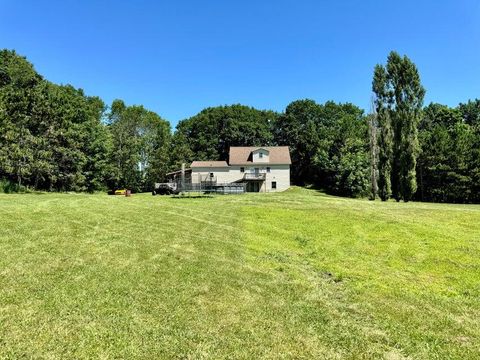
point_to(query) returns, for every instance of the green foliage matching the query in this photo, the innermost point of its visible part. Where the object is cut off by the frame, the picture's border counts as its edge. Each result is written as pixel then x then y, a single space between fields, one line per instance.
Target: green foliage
pixel 398 102
pixel 17 88
pixel 180 151
pixel 49 132
pixel 10 187
pixel 449 164
pixel 385 138
pixel 351 176
pixel 298 128
pixel 471 112
pixel 328 145
pixel 141 143
pixel 54 138
pixel 211 132
pixel 16 71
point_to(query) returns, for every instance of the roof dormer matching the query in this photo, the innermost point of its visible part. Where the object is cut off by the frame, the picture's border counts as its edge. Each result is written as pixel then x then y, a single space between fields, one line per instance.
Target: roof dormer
pixel 260 155
pixel 244 155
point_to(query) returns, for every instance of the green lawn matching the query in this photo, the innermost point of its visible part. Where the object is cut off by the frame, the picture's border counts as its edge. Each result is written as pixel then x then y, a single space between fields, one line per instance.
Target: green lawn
pixel 292 275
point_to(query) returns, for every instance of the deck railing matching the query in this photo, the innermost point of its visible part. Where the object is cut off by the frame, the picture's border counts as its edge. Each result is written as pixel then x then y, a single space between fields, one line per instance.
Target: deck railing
pixel 219 188
pixel 254 176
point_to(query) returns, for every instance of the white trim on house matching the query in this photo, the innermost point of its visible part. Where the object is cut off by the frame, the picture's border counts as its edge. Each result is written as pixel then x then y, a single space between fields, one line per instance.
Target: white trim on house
pixel 256 170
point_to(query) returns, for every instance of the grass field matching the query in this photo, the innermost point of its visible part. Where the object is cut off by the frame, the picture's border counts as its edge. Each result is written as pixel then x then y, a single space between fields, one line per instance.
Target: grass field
pixel 292 275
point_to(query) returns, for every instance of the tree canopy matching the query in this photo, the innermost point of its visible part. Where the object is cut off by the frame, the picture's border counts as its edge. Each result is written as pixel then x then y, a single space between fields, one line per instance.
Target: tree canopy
pixel 57 138
pixel 328 145
pixel 141 141
pixel 51 136
pixel 54 137
pixel 209 134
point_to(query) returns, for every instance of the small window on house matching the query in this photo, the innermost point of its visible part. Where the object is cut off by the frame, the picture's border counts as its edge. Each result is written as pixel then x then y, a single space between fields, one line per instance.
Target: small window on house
pixel 274 184
pixel 242 169
pixel 211 175
pixel 268 169
pixel 260 155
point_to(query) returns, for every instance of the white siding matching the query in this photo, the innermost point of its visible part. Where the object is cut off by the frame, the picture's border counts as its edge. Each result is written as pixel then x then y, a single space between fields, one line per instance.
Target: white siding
pixel 200 173
pixel 224 175
pixel 278 173
pixel 265 157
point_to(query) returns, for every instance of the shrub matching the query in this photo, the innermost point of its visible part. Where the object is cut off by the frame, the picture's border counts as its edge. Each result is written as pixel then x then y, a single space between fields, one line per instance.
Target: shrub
pixel 9 187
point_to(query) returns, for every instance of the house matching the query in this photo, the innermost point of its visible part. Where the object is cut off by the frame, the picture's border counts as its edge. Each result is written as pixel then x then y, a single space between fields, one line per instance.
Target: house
pixel 260 169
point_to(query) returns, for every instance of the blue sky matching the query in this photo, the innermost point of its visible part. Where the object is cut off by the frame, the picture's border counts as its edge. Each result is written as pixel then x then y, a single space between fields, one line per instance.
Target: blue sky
pixel 178 57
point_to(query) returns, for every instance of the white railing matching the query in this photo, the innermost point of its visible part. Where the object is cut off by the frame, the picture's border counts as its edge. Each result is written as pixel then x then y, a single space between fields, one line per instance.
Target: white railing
pixel 254 176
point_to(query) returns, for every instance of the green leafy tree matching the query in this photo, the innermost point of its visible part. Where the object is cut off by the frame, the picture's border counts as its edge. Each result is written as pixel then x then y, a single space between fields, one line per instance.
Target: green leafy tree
pixel 471 112
pixel 448 163
pixel 180 151
pixel 141 141
pixel 97 146
pixel 298 129
pixel 51 136
pixel 18 80
pixel 328 144
pixel 211 132
pixel 342 157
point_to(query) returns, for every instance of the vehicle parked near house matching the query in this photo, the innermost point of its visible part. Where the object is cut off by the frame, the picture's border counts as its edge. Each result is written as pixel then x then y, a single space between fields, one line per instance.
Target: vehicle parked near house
pixel 165 189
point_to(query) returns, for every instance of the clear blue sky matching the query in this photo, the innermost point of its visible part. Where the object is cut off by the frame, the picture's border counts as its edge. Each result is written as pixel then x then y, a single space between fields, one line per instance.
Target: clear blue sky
pixel 178 57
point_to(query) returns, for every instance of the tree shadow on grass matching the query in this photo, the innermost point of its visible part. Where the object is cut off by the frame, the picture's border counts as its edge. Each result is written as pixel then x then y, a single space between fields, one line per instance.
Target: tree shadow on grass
pixel 191 197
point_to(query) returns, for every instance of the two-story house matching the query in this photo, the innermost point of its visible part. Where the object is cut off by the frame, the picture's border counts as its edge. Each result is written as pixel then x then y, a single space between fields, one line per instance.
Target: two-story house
pixel 251 169
pixel 262 169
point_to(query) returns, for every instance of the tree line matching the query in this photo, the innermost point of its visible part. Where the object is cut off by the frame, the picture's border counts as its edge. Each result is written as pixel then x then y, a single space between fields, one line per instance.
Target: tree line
pixel 56 138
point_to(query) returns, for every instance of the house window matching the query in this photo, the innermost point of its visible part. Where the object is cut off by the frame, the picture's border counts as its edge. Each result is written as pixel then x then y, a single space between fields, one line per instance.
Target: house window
pixel 274 184
pixel 211 175
pixel 260 155
pixel 268 169
pixel 242 169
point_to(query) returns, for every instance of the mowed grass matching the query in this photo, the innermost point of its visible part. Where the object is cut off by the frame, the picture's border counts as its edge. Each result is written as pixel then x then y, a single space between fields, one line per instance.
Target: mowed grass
pixel 281 276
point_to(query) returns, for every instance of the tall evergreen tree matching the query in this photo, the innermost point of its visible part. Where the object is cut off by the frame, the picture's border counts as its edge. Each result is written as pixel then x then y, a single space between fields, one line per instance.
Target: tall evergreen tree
pixel 385 139
pixel 373 133
pixel 399 91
